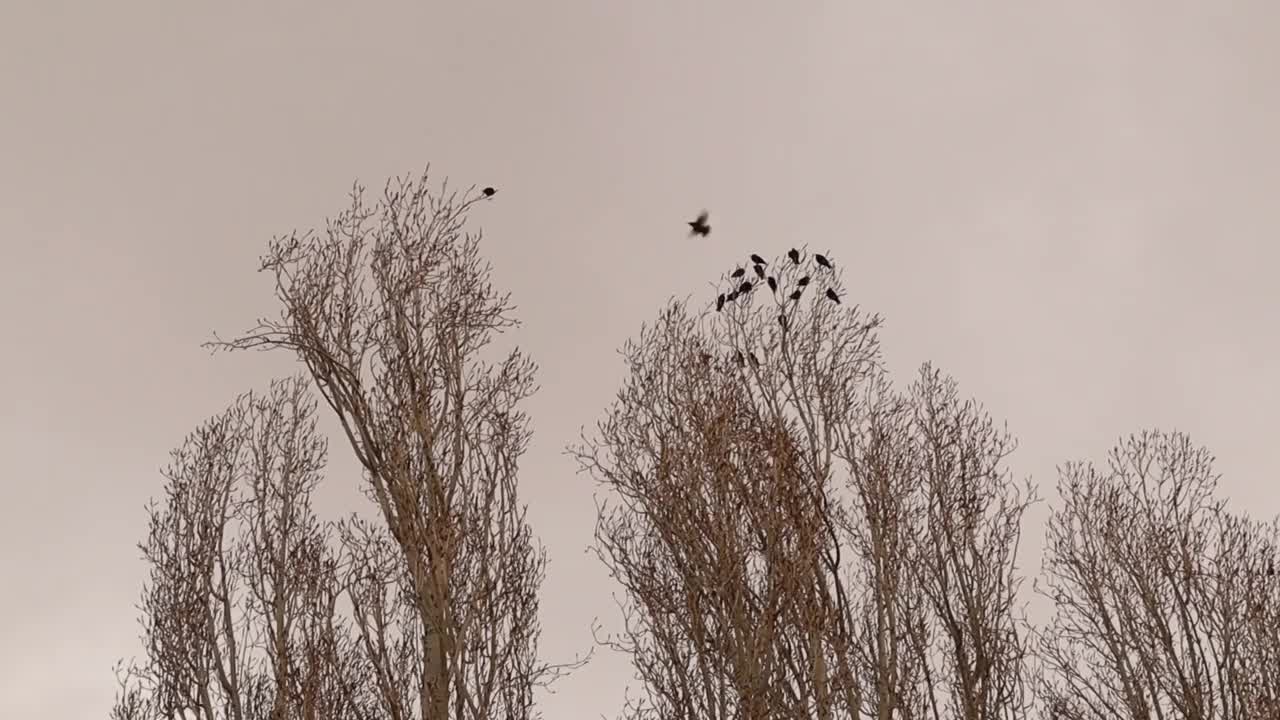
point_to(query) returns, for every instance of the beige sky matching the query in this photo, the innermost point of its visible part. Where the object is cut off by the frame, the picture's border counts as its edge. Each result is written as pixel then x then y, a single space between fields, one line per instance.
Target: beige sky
pixel 1071 207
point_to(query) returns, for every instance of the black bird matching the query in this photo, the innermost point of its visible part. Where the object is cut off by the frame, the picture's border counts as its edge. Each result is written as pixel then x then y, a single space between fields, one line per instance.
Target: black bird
pixel 773 284
pixel 737 357
pixel 745 287
pixel 803 281
pixel 731 296
pixel 782 320
pixel 738 273
pixel 794 254
pixel 832 296
pixel 759 271
pixel 796 295
pixel 700 226
pixel 822 260
pixel 706 357
pixel 488 192
pixel 755 362
pixel 757 259
pixel 720 302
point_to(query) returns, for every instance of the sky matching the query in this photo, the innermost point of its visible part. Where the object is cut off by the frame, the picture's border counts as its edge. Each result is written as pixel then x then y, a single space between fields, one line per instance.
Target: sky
pixel 1069 207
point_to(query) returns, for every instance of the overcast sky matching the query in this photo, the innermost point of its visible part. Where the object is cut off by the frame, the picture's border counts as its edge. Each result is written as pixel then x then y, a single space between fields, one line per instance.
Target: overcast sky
pixel 1070 207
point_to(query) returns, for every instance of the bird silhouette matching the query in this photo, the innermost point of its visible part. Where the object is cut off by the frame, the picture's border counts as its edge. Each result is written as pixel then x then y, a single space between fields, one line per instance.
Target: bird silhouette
pixel 757 259
pixel 773 284
pixel 745 287
pixel 488 192
pixel 731 296
pixel 832 296
pixel 782 320
pixel 796 295
pixel 823 261
pixel 737 357
pixel 700 226
pixel 759 271
pixel 720 302
pixel 738 273
pixel 755 362
pixel 803 281
pixel 794 254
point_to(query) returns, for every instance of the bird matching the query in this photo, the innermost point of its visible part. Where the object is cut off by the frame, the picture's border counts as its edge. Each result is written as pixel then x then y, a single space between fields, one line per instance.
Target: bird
pixel 737 357
pixel 794 254
pixel 720 302
pixel 700 226
pixel 759 271
pixel 832 296
pixel 782 320
pixel 803 281
pixel 823 261
pixel 745 287
pixel 488 192
pixel 796 295
pixel 757 259
pixel 773 284
pixel 738 273
pixel 755 362
pixel 731 296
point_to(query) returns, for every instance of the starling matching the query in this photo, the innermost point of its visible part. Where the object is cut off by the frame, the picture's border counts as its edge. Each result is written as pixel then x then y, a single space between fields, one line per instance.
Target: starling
pixel 738 273
pixel 803 281
pixel 731 296
pixel 759 271
pixel 755 362
pixel 757 259
pixel 796 295
pixel 745 287
pixel 773 284
pixel 720 302
pixel 706 357
pixel 782 320
pixel 488 192
pixel 832 296
pixel 822 260
pixel 794 254
pixel 700 226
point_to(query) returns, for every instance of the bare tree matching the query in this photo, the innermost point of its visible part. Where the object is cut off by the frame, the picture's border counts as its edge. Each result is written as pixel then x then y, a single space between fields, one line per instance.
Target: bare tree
pixel 239 615
pixel 796 539
pixel 1166 604
pixel 391 310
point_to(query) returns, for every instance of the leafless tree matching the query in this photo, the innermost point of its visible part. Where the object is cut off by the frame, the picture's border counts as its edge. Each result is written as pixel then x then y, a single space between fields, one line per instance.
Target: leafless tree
pixel 392 311
pixel 795 538
pixel 239 616
pixel 1166 604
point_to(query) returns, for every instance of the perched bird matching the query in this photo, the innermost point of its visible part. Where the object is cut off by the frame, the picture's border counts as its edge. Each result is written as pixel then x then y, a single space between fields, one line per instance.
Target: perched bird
pixel 757 259
pixel 773 284
pixel 823 261
pixel 794 254
pixel 731 296
pixel 803 281
pixel 700 226
pixel 488 192
pixel 720 302
pixel 796 295
pixel 737 357
pixel 832 296
pixel 745 287
pixel 782 320
pixel 755 362
pixel 759 271
pixel 738 273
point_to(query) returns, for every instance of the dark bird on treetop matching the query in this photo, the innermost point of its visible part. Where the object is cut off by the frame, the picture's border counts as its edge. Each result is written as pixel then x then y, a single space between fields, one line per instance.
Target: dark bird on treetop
pixel 731 296
pixel 488 192
pixel 773 284
pixel 782 320
pixel 757 259
pixel 832 296
pixel 796 295
pixel 738 273
pixel 794 254
pixel 822 260
pixel 759 271
pixel 745 287
pixel 803 281
pixel 720 302
pixel 700 226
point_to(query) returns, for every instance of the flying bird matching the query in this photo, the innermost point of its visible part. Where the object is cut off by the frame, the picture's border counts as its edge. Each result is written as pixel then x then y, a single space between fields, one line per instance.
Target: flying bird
pixel 745 287
pixel 796 295
pixel 738 273
pixel 803 281
pixel 759 271
pixel 757 259
pixel 773 284
pixel 823 261
pixel 832 296
pixel 794 254
pixel 720 302
pixel 700 226
pixel 488 192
